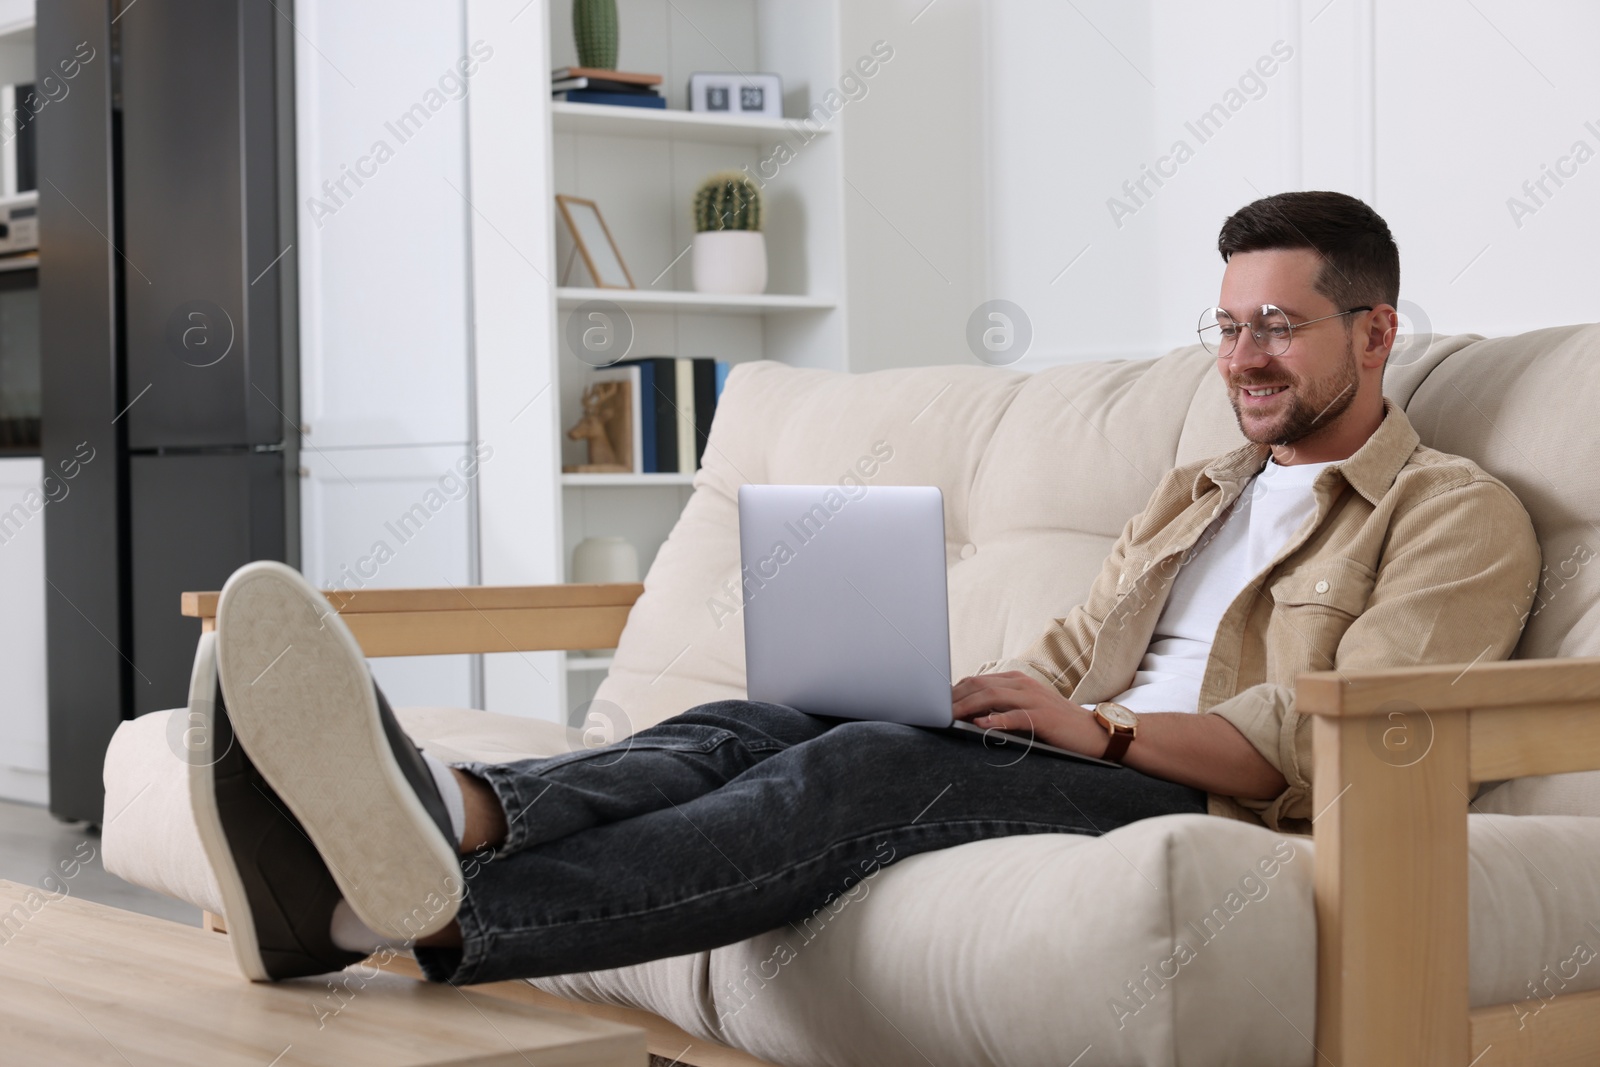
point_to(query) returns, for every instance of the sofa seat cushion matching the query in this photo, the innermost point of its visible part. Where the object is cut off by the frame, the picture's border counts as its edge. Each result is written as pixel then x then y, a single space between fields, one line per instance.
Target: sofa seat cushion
pixel 1016 951
pixel 1029 951
pixel 1160 943
pixel 1020 951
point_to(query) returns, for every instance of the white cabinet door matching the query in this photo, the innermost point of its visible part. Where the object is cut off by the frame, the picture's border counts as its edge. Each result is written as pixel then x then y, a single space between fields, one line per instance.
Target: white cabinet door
pixel 385 518
pixel 24 715
pixel 380 133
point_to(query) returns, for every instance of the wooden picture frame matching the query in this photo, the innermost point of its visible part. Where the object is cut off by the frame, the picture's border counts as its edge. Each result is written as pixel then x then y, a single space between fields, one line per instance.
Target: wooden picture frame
pixel 607 269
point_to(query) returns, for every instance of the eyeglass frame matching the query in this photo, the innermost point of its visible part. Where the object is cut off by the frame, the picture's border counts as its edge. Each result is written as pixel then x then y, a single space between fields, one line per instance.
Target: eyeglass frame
pixel 1255 335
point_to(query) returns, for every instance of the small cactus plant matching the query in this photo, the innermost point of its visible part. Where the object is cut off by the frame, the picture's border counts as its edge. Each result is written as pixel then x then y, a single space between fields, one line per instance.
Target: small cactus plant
pixel 594 29
pixel 727 200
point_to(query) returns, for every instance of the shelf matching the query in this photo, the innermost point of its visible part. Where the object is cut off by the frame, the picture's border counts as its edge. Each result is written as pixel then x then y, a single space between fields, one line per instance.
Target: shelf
pixel 20 261
pixel 568 297
pixel 588 663
pixel 613 121
pixel 612 481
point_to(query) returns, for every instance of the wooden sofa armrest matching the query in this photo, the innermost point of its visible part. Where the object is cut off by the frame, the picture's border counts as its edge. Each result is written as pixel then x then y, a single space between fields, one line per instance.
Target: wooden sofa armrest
pixel 483 618
pixel 1397 754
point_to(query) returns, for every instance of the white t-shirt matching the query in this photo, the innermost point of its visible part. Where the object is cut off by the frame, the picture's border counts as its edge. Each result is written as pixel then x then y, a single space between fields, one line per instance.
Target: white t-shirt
pixel 1232 552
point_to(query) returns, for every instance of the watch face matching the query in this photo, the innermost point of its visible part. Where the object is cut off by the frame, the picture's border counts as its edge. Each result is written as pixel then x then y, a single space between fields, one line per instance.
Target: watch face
pixel 1117 715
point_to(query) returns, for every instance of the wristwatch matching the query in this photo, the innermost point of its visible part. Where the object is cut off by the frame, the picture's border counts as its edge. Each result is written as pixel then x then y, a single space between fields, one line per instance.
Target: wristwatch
pixel 1121 723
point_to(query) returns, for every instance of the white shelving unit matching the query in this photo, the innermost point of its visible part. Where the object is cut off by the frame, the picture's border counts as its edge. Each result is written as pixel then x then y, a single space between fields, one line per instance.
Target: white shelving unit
pixel 612 481
pixel 569 297
pixel 641 166
pixel 650 123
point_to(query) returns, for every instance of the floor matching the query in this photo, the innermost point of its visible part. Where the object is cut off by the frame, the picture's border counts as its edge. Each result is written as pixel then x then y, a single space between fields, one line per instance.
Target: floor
pixel 58 857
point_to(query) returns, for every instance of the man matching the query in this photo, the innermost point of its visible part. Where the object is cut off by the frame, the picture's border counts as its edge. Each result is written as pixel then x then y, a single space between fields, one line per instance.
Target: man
pixel 1332 540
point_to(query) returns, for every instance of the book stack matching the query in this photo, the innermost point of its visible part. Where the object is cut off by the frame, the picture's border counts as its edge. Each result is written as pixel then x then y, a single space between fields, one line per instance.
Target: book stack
pixel 587 85
pixel 674 399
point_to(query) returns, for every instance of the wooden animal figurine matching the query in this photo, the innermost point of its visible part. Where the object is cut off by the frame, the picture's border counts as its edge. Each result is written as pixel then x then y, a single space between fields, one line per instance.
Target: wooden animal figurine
pixel 605 426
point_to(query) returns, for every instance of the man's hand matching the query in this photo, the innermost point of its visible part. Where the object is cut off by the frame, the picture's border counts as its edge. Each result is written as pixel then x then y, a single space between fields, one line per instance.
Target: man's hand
pixel 1021 704
pixel 1202 751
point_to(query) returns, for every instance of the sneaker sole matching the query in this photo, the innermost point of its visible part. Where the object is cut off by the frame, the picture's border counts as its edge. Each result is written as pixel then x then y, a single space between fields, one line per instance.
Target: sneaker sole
pixel 301 701
pixel 199 735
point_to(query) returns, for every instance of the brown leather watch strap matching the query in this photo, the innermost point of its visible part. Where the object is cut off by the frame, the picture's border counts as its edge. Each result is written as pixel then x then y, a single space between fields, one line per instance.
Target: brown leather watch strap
pixel 1118 746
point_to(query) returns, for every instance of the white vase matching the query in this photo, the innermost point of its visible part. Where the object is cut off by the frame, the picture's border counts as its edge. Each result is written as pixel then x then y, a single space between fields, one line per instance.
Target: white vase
pixel 604 559
pixel 730 261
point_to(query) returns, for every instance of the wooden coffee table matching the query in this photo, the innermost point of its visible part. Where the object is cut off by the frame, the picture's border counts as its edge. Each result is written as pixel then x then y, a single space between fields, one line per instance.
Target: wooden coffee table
pixel 83 983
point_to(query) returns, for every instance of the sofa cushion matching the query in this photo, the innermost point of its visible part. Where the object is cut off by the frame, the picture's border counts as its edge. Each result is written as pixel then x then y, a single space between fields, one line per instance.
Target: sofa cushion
pixel 1520 407
pixel 1163 942
pixel 1021 951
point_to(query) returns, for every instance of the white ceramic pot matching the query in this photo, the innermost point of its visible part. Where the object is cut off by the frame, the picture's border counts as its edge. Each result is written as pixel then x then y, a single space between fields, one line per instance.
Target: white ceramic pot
pixel 605 559
pixel 730 261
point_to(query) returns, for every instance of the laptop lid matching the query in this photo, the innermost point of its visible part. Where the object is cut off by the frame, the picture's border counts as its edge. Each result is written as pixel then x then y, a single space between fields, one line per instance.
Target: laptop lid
pixel 845 610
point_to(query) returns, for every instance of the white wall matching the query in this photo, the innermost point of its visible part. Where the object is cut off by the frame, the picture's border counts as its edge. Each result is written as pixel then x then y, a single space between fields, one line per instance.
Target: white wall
pixel 1471 106
pixel 1071 115
pixel 1436 114
pixel 914 180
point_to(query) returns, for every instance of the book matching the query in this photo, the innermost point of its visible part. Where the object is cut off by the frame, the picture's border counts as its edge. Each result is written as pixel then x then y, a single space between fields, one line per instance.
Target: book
pixel 591 96
pixel 561 73
pixel 684 369
pixel 659 381
pixel 602 84
pixel 705 405
pixel 633 376
pixel 647 420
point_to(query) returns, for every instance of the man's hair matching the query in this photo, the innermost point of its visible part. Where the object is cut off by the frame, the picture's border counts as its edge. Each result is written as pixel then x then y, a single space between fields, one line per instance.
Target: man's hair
pixel 1360 263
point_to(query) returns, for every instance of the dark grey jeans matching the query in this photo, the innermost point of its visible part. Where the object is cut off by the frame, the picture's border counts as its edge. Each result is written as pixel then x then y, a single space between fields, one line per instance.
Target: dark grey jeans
pixel 737 817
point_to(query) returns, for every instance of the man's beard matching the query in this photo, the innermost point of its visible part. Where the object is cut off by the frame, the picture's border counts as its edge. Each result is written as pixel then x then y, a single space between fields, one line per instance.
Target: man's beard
pixel 1311 405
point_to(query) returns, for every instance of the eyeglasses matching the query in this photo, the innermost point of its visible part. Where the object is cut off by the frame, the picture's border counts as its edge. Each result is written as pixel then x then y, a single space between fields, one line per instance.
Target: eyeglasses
pixel 1272 331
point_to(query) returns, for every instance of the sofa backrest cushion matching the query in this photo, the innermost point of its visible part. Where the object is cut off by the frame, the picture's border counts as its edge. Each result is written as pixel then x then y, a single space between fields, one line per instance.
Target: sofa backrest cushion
pixel 1521 408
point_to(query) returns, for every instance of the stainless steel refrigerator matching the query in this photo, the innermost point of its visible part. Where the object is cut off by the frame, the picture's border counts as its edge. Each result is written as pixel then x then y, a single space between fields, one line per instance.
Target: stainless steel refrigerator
pixel 168 327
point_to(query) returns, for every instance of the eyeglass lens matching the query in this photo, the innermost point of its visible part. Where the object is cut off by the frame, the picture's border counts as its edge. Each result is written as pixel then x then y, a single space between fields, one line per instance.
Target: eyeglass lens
pixel 1271 331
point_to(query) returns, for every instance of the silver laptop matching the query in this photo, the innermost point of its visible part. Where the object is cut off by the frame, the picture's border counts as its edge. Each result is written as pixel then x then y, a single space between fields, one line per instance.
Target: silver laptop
pixel 845 607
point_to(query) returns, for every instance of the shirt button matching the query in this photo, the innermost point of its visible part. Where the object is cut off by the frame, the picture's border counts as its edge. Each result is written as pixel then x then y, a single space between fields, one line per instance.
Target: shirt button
pixel 968 550
pixel 1322 586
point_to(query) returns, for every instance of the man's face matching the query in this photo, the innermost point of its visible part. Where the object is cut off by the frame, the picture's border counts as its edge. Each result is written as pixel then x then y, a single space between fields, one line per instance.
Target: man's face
pixel 1317 378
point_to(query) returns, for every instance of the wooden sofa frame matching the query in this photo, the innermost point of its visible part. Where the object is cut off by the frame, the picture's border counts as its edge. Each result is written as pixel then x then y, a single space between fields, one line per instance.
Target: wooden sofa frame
pixel 1390 826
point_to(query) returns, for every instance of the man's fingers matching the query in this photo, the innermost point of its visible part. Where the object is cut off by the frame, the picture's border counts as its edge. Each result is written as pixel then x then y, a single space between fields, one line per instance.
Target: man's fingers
pixel 981 682
pixel 979 701
pixel 1015 721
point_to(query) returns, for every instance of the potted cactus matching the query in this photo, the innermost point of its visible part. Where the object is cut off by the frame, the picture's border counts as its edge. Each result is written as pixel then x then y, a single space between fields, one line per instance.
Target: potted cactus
pixel 594 30
pixel 730 253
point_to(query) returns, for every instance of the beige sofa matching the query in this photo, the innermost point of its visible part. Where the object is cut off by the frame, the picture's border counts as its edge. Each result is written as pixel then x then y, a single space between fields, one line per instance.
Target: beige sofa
pixel 1180 940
